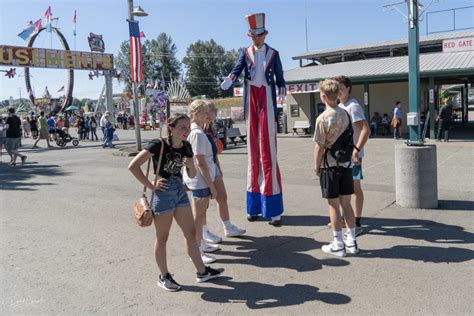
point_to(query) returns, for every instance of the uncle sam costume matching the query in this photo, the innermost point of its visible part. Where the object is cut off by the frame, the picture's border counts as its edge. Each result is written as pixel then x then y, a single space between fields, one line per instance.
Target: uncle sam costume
pixel 263 73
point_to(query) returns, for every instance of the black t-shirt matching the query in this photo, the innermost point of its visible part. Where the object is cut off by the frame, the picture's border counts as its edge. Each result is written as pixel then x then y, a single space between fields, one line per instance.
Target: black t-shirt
pixel 14 127
pixel 33 124
pixel 172 162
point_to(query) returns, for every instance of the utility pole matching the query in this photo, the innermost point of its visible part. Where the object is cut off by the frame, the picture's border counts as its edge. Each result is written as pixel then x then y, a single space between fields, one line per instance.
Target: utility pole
pixel 414 69
pixel 136 114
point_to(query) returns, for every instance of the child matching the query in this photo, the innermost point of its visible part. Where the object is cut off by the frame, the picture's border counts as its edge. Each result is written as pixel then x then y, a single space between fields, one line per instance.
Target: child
pixel 171 201
pixel 202 185
pixel 335 178
pixel 230 230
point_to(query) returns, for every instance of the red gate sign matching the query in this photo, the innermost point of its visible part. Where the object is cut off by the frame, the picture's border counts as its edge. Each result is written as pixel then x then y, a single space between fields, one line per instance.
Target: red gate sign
pixel 458 45
pixel 54 58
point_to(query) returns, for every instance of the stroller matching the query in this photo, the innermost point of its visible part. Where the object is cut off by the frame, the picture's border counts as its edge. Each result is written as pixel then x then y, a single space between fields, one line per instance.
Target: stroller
pixel 64 138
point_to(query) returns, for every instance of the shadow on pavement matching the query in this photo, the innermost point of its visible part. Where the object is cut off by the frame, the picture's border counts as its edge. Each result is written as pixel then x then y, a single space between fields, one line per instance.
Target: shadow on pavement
pixel 452 205
pixel 258 295
pixel 17 178
pixel 421 253
pixel 418 229
pixel 278 252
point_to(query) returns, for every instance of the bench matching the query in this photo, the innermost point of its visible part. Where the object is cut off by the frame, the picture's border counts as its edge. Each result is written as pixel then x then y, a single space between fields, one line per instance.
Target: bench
pixel 234 133
pixel 303 125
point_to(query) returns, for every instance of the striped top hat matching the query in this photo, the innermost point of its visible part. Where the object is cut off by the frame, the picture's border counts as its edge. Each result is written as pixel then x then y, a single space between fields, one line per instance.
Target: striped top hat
pixel 256 23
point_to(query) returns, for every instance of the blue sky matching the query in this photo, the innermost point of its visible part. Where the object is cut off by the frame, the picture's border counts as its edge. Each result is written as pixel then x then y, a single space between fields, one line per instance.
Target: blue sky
pixel 331 23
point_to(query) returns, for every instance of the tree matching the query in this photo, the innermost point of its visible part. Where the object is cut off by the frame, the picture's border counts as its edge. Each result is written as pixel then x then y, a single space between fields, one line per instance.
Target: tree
pixel 204 61
pixel 228 62
pixel 161 58
pixel 158 56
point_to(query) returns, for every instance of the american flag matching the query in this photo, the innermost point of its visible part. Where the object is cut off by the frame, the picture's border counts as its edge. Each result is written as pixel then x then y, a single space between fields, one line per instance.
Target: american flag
pixel 135 52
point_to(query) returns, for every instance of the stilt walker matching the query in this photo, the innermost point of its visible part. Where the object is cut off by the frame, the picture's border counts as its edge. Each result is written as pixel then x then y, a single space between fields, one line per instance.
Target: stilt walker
pixel 263 73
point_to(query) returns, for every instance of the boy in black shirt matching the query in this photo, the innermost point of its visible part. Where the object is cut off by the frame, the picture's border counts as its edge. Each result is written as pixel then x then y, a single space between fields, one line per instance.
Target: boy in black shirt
pixel 13 126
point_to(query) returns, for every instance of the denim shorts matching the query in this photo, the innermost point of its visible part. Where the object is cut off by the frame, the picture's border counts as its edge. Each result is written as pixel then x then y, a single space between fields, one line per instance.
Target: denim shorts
pixel 357 172
pixel 201 193
pixel 167 201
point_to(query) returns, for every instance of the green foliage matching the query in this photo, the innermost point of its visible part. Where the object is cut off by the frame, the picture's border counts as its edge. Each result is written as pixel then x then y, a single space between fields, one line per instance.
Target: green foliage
pixel 159 56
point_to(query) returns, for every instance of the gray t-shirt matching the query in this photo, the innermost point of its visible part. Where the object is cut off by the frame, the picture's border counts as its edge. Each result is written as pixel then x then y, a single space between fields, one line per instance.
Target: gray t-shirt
pixel 356 112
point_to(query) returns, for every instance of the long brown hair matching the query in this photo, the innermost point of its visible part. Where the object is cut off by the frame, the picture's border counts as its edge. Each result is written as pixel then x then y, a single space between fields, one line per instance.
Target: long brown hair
pixel 172 121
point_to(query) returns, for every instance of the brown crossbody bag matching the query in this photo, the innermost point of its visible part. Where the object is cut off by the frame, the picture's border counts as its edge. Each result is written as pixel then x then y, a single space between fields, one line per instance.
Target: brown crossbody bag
pixel 143 212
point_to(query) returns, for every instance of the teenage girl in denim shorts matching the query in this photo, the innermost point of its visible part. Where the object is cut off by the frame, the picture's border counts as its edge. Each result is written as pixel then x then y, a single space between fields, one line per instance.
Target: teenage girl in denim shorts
pixel 170 201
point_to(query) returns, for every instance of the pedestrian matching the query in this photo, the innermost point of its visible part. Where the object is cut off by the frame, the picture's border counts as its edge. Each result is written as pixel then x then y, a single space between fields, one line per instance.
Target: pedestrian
pixel 108 131
pixel 13 126
pixel 3 135
pixel 67 124
pixel 102 123
pixel 125 121
pixel 80 128
pixel 51 127
pixel 397 120
pixel 43 130
pixel 93 124
pixel 444 120
pixel 202 184
pixel 263 73
pixel 333 128
pixel 87 127
pixel 230 230
pixel 170 200
pixel 361 135
pixel 153 121
pixel 34 126
pixel 60 122
pixel 25 126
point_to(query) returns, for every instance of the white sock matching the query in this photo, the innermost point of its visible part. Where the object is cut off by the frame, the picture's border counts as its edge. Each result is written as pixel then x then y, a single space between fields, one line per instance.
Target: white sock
pixel 227 224
pixel 337 236
pixel 276 218
pixel 204 228
pixel 351 233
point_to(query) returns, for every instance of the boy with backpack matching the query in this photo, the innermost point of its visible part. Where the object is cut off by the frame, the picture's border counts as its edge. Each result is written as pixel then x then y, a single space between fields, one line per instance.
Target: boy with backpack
pixel 332 160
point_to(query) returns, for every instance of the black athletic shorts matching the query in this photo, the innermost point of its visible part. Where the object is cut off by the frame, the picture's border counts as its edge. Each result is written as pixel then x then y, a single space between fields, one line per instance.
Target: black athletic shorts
pixel 336 181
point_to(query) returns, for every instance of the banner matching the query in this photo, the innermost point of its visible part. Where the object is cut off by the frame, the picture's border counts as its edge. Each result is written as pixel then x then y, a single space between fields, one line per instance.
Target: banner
pixel 53 58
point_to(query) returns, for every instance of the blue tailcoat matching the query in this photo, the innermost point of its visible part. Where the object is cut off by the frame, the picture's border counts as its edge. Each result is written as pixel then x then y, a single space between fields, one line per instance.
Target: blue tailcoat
pixel 273 73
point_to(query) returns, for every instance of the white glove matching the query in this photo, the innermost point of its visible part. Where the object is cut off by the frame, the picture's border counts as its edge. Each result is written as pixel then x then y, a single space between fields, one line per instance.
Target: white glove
pixel 226 83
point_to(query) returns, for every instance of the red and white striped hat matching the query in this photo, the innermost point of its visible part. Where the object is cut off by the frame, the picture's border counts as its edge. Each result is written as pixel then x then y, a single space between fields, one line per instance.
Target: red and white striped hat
pixel 256 23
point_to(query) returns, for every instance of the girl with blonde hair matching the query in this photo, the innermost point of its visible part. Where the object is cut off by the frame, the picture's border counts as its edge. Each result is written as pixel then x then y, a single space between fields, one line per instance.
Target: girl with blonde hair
pixel 230 230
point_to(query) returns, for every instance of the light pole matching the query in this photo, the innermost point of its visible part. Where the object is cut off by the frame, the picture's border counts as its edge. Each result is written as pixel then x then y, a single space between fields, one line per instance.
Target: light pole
pixel 138 12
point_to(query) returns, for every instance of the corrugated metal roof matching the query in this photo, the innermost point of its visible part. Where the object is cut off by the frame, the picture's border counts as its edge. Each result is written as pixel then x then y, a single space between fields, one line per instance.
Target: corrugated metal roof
pixel 435 62
pixel 381 45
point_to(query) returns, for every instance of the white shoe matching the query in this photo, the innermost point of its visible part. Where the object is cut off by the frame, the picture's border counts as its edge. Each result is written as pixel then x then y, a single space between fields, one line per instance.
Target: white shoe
pixel 351 246
pixel 234 231
pixel 206 259
pixel 209 248
pixel 209 237
pixel 335 249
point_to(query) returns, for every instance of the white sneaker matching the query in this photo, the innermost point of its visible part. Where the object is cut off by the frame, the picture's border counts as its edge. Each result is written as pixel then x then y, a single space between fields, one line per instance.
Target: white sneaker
pixel 334 249
pixel 209 237
pixel 206 259
pixel 205 247
pixel 351 246
pixel 234 231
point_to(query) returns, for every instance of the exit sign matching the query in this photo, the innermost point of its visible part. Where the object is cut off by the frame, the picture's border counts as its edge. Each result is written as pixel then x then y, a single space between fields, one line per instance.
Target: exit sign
pixel 458 45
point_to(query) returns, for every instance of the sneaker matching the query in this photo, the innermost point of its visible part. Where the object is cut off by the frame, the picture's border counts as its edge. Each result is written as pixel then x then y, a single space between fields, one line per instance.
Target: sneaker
pixel 334 249
pixel 209 274
pixel 234 231
pixel 351 246
pixel 209 248
pixel 168 283
pixel 206 259
pixel 210 237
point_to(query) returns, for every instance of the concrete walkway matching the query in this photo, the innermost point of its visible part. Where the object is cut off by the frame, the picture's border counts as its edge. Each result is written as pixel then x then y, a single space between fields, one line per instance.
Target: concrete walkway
pixel 69 244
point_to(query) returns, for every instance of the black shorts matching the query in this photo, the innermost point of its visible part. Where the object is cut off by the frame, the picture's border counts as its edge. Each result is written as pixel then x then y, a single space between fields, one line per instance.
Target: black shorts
pixel 336 181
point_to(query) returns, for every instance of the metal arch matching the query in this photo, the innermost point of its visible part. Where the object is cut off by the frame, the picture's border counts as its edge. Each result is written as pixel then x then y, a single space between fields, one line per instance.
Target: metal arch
pixel 70 83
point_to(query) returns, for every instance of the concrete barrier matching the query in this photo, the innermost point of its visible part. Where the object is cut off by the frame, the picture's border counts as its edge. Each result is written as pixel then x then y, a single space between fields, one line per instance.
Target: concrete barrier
pixel 416 176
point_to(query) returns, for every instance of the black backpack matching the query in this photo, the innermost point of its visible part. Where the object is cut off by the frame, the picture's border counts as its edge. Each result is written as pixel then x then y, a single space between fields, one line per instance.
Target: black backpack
pixel 343 147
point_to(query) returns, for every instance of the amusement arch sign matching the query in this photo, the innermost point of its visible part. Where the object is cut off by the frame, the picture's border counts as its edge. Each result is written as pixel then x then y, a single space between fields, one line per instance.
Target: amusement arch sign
pixel 53 58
